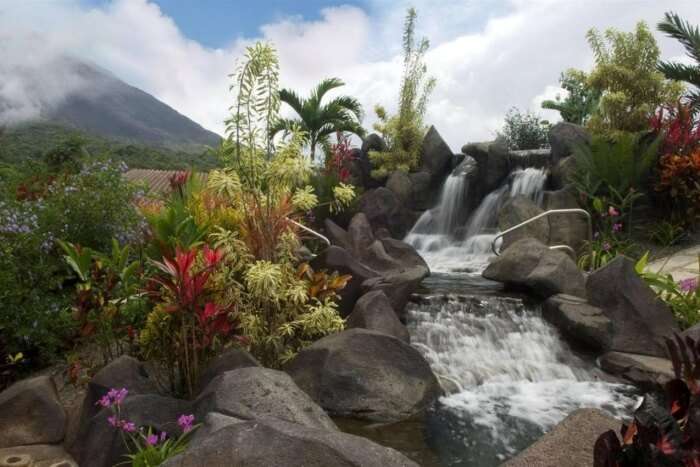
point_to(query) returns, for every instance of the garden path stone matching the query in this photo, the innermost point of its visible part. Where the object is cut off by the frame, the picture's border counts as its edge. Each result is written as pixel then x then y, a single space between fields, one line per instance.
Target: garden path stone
pixel 570 443
pixel 31 413
pixel 681 265
pixel 640 320
pixel 366 375
pixel 254 393
pixel 265 443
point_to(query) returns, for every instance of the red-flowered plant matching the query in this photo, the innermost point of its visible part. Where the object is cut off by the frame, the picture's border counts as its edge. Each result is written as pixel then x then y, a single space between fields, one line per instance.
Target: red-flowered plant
pixel 197 323
pixel 663 432
pixel 340 158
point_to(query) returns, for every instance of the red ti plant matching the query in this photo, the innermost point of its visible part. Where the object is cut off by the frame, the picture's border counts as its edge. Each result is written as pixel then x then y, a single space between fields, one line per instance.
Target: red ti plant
pixel 199 322
pixel 341 156
pixel 664 432
pixel 681 129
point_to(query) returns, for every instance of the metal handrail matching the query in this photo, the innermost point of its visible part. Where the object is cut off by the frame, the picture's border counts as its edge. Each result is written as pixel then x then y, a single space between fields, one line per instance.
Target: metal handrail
pixel 312 232
pixel 545 214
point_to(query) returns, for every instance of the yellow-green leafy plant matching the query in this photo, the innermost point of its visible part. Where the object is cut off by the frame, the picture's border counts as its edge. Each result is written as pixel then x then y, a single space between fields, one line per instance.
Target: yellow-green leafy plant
pixel 404 131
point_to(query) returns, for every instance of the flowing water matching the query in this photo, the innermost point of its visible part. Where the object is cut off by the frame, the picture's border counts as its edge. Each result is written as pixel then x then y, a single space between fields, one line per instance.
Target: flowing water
pixel 509 376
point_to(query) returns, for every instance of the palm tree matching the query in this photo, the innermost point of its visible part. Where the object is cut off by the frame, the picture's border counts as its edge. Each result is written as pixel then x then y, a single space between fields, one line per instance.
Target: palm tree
pixel 319 121
pixel 689 36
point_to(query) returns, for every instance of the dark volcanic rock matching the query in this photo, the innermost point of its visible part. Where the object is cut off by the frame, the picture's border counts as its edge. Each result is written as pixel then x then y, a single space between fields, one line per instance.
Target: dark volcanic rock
pixel 640 320
pixel 374 312
pixel 384 209
pixel 565 229
pixel 31 413
pixel 579 321
pixel 277 443
pixel 649 373
pixel 517 210
pixel 564 136
pixel 229 360
pixel 493 162
pixel 366 375
pixel 256 393
pixel 530 264
pixel 436 156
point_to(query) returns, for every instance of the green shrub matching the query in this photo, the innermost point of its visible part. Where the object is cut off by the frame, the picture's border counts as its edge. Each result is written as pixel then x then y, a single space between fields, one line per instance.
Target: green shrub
pixel 580 101
pixel 524 130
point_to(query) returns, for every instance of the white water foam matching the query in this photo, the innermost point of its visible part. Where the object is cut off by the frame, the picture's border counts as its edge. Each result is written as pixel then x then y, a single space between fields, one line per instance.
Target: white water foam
pixel 506 363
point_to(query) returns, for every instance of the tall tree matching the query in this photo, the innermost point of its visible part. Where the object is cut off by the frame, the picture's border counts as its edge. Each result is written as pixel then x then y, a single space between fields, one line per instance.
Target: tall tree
pixel 580 101
pixel 689 36
pixel 317 120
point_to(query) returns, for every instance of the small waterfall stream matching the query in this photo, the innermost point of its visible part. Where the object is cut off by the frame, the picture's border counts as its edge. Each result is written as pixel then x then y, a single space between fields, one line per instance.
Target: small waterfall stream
pixel 509 375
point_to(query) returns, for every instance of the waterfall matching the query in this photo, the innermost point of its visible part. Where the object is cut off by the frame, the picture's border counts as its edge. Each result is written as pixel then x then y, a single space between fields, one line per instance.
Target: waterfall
pixel 436 234
pixel 508 375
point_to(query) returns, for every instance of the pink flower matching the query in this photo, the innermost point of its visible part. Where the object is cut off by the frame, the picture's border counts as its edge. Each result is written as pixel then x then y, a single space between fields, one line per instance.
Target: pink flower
pixel 163 435
pixel 152 440
pixel 688 285
pixel 116 396
pixel 607 246
pixel 617 227
pixel 113 421
pixel 128 427
pixel 104 401
pixel 185 422
pixel 613 212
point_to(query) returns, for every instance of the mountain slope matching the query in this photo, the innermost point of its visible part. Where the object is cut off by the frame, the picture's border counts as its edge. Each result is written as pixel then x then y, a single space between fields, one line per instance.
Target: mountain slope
pixel 73 93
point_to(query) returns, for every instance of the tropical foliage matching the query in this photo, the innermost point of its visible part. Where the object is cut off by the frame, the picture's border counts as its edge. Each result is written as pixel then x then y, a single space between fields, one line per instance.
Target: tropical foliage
pixel 626 78
pixel 404 131
pixel 319 121
pixel 689 36
pixel 524 130
pixel 580 100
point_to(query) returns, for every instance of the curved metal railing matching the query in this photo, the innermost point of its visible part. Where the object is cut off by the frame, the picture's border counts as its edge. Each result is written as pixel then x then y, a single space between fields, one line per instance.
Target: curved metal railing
pixel 545 214
pixel 312 232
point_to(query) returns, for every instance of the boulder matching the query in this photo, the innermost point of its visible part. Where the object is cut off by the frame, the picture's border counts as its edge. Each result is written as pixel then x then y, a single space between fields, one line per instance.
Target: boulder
pixel 529 264
pixel 640 320
pixel 570 443
pixel 564 136
pixel 373 142
pixel 398 287
pixel 648 373
pixel 423 195
pixel 31 413
pixel 539 158
pixel 360 235
pixel 254 393
pixel 562 173
pixel 103 446
pixel 400 184
pixel 493 162
pixel 517 210
pixel 335 258
pixel 38 455
pixel 436 156
pixel 565 229
pixel 124 372
pixel 384 209
pixel 336 234
pixel 229 360
pixel 693 332
pixel 213 422
pixel 580 322
pixel 373 311
pixel 264 443
pixel 365 375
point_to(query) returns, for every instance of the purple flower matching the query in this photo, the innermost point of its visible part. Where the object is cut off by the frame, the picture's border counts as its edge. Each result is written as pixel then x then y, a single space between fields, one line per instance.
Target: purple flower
pixel 613 212
pixel 128 427
pixel 152 440
pixel 113 421
pixel 617 227
pixel 117 396
pixel 185 422
pixel 163 435
pixel 607 246
pixel 104 401
pixel 688 285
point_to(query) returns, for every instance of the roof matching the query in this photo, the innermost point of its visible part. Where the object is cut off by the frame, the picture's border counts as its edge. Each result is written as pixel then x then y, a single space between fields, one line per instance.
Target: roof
pixel 158 181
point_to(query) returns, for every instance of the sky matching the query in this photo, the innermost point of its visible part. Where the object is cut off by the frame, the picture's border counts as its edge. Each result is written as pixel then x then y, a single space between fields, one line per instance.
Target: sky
pixel 487 55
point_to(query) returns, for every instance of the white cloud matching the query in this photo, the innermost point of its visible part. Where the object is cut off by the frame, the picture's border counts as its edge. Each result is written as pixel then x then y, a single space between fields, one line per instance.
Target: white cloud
pixel 487 55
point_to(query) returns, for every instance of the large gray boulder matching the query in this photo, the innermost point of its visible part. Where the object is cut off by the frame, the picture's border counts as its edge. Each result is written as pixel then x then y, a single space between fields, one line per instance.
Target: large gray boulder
pixel 645 372
pixel 103 446
pixel 373 311
pixel 423 193
pixel 493 161
pixel 562 173
pixel 229 360
pixel 336 234
pixel 564 136
pixel 519 209
pixel 436 156
pixel 124 372
pixel 31 413
pixel 578 321
pixel 398 286
pixel 531 265
pixel 640 319
pixel 384 209
pixel 335 258
pixel 570 443
pixel 565 229
pixel 400 184
pixel 255 393
pixel 366 375
pixel 265 443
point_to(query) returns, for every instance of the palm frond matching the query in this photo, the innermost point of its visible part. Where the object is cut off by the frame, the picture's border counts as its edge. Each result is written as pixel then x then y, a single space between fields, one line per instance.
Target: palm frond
pixel 293 100
pixel 322 88
pixel 685 33
pixel 348 103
